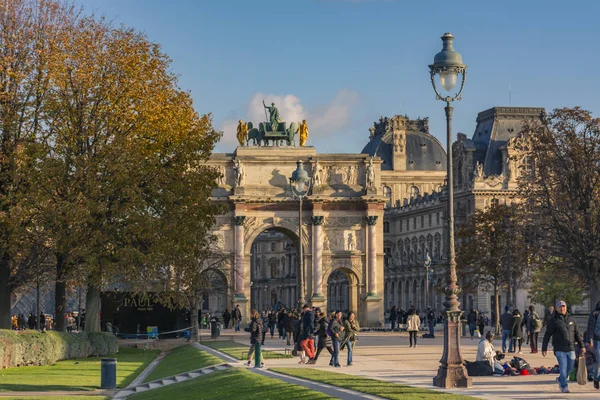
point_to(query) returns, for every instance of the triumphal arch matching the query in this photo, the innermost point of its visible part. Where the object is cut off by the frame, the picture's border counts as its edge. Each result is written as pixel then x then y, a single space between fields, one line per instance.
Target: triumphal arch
pixel 342 216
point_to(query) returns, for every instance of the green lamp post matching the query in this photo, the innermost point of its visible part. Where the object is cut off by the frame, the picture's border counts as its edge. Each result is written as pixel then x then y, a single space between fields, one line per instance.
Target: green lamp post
pixel 447 66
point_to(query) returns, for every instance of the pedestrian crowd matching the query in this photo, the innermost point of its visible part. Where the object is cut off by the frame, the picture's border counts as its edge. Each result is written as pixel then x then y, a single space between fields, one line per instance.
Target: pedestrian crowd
pixel 47 322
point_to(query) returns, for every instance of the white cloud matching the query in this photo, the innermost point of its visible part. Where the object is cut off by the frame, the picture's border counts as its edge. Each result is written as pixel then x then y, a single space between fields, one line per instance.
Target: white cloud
pixel 322 120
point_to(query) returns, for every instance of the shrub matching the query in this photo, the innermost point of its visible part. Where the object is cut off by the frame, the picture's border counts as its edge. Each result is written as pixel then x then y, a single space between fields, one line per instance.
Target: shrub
pixel 36 348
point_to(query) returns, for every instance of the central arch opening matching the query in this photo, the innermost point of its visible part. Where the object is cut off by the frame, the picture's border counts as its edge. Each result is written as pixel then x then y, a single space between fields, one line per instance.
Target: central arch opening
pixel 273 271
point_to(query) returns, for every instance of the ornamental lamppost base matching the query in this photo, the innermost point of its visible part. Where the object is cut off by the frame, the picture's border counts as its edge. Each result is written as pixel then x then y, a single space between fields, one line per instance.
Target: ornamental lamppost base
pixel 452 373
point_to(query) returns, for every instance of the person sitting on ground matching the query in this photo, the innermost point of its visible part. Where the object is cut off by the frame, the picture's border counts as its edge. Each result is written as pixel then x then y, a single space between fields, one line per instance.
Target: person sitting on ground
pixel 487 352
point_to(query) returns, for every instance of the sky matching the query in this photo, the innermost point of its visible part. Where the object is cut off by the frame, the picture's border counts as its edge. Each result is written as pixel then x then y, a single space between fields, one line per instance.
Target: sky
pixel 342 64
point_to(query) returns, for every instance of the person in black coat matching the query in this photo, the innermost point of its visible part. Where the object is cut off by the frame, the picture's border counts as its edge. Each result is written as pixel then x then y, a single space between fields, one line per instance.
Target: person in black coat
pixel 564 332
pixel 393 317
pixel 594 340
pixel 226 318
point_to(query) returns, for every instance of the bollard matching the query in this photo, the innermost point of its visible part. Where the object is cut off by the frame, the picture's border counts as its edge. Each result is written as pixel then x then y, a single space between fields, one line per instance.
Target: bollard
pixel 108 373
pixel 257 355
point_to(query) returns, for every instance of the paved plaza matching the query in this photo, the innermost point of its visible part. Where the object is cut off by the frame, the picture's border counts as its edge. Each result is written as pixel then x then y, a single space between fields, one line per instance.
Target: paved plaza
pixel 387 356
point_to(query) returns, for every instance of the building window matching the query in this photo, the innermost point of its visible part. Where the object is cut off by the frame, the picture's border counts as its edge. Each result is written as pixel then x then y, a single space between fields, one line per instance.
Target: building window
pixel 494 202
pixel 387 193
pixel 274 270
pixel 386 227
pixel 400 226
pixel 422 221
pixel 437 218
pixel 413 192
pixel 430 220
pixel 414 223
pixel 272 246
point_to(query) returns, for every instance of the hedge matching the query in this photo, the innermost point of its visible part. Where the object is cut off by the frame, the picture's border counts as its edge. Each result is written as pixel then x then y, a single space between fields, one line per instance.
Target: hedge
pixel 35 348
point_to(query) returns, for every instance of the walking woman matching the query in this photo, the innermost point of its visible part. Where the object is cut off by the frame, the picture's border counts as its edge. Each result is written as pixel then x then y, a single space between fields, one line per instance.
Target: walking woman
pixel 337 332
pixel 413 322
pixel 516 331
pixel 351 328
pixel 324 341
pixel 256 330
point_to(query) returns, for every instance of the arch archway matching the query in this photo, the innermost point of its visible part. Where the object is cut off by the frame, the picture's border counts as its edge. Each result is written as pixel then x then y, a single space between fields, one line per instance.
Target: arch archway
pixel 214 293
pixel 274 283
pixel 345 298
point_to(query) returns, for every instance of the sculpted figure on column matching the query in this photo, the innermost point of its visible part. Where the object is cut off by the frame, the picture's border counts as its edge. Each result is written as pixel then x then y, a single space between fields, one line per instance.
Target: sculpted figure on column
pixel 317 175
pixel 242 132
pixel 303 132
pixel 370 173
pixel 273 116
pixel 239 173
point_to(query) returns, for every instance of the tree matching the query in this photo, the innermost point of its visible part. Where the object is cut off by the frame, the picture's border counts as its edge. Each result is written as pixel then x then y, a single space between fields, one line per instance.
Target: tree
pixel 124 189
pixel 550 283
pixel 561 191
pixel 28 34
pixel 491 251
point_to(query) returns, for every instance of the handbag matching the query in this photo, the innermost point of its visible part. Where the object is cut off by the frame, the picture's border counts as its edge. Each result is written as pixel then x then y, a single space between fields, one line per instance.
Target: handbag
pixel 581 371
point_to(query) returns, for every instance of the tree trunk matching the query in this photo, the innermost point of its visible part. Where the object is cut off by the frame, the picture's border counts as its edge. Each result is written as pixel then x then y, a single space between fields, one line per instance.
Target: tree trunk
pixel 497 310
pixel 593 293
pixel 194 335
pixel 60 295
pixel 92 309
pixel 5 293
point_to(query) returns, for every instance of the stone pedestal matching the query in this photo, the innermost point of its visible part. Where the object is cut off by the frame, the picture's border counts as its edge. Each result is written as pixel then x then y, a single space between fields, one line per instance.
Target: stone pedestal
pixel 452 373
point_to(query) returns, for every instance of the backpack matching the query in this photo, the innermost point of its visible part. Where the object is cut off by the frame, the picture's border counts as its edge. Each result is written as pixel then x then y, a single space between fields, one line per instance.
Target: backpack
pixel 597 327
pixel 537 322
pixel 328 331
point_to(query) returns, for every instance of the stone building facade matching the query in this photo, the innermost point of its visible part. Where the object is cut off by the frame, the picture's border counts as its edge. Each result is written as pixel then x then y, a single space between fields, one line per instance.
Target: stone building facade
pixel 485 169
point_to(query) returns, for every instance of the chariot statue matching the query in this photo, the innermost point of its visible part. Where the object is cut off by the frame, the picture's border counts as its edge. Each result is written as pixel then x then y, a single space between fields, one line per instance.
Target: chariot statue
pixel 273 131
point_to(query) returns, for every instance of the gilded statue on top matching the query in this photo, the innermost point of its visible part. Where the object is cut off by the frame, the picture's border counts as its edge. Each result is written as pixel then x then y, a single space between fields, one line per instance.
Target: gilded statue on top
pixel 242 132
pixel 303 128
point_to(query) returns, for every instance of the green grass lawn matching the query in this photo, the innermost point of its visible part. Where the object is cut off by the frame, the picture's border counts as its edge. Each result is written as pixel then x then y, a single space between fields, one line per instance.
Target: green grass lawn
pixel 235 350
pixel 234 383
pixel 56 398
pixel 80 374
pixel 375 387
pixel 182 359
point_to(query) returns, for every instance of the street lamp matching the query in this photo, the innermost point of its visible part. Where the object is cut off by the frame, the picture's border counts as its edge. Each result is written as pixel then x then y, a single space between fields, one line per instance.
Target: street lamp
pixel 300 185
pixel 427 264
pixel 447 65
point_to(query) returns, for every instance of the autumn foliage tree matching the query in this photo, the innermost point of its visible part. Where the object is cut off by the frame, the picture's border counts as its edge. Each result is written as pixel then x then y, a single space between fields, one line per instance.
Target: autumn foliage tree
pixel 561 193
pixel 120 184
pixel 492 251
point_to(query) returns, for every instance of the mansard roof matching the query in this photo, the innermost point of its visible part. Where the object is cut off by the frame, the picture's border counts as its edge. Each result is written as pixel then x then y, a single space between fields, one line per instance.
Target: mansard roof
pixel 494 128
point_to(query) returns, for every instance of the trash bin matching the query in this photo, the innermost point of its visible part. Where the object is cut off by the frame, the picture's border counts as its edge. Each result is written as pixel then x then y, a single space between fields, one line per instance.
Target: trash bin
pixel 214 328
pixel 108 373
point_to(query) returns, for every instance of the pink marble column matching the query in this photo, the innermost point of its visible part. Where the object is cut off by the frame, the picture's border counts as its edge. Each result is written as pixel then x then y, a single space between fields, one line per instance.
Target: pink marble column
pixel 372 254
pixel 317 249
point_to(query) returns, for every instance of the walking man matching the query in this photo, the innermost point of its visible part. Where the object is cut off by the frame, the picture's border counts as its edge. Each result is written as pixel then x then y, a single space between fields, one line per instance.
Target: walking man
pixel 564 332
pixel 236 317
pixel 593 330
pixel 506 320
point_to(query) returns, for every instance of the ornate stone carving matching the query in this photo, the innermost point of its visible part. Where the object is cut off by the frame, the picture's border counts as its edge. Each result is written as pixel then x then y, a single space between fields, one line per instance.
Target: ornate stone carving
pixel 326 244
pixel 239 220
pixel 317 220
pixel 317 175
pixel 239 173
pixel 372 220
pixel 351 241
pixel 370 174
pixel 343 222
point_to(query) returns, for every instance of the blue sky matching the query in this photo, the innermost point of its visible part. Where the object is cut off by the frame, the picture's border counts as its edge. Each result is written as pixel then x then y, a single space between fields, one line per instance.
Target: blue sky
pixel 343 64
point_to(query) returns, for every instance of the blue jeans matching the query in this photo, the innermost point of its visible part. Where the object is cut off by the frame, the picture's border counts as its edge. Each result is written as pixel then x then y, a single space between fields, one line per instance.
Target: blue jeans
pixel 431 328
pixel 350 346
pixel 566 362
pixel 472 329
pixel 336 352
pixel 597 354
pixel 505 337
pixel 237 326
pixel 393 322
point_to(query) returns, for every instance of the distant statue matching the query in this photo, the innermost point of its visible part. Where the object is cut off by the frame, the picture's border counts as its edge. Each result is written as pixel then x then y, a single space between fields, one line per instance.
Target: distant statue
pixel 239 173
pixel 303 132
pixel 370 174
pixel 317 175
pixel 326 244
pixel 242 132
pixel 221 177
pixel 273 116
pixel 351 242
pixel 478 170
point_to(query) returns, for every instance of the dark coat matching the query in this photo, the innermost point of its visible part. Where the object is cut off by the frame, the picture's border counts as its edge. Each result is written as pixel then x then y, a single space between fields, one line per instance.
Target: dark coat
pixel 564 332
pixel 516 332
pixel 592 323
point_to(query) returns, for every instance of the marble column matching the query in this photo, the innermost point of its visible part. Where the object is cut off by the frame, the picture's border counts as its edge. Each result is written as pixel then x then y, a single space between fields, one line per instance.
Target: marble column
pixel 372 254
pixel 317 246
pixel 239 257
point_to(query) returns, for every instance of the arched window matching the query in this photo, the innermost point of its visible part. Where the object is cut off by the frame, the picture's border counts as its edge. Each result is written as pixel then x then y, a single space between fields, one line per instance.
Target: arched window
pixel 413 192
pixel 274 269
pixel 387 193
